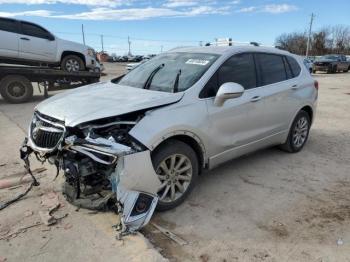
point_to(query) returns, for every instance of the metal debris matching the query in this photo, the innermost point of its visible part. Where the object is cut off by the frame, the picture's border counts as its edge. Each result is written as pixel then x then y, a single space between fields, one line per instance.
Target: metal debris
pixel 170 235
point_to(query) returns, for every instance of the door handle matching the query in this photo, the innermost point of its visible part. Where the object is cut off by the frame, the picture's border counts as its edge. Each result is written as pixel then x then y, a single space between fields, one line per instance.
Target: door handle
pixel 25 38
pixel 295 87
pixel 255 98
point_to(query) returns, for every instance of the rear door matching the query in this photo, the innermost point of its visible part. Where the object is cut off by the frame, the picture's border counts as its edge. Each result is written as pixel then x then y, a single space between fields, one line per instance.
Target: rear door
pixel 8 38
pixel 36 43
pixel 279 86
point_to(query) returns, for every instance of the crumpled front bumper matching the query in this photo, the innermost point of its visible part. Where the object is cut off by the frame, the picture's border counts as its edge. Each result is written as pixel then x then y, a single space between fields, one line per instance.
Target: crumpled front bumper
pixel 133 179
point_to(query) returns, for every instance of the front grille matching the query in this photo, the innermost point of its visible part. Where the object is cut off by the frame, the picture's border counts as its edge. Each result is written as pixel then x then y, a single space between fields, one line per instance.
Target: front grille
pixel 46 133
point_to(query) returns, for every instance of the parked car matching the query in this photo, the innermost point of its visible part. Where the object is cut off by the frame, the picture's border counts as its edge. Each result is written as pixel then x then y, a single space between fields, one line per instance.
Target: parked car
pixel 331 64
pixel 308 63
pixel 27 43
pixel 136 58
pixel 149 134
pixel 131 66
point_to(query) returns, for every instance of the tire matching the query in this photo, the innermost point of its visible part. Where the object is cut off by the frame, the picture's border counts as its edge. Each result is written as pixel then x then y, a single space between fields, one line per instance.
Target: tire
pixel 72 63
pixel 335 69
pixel 347 70
pixel 182 155
pixel 290 145
pixel 16 89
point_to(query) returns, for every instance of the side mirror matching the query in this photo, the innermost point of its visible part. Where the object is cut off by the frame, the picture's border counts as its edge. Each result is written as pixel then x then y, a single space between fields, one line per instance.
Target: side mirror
pixel 226 91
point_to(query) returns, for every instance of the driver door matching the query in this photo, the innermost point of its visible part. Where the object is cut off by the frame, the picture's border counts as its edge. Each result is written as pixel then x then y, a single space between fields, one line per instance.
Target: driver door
pixel 239 122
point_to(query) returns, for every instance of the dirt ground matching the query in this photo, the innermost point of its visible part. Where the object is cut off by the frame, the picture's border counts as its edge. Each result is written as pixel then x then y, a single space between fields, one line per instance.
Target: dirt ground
pixel 268 206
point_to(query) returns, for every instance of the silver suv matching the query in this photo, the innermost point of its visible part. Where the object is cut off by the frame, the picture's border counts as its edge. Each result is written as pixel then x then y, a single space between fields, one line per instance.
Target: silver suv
pixel 147 135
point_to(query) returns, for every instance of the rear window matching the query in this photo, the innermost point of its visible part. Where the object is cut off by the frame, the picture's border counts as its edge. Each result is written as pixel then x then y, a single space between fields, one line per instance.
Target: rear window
pixel 8 25
pixel 272 68
pixel 294 65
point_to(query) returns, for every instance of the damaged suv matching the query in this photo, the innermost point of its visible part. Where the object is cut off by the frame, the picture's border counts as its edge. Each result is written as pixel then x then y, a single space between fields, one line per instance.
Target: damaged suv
pixel 141 140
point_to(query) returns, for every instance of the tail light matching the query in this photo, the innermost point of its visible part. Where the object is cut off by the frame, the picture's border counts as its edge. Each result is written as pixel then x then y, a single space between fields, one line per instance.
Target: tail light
pixel 316 84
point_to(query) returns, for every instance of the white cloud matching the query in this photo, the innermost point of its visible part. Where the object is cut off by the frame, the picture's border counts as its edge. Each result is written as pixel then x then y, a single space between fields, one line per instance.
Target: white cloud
pixel 180 3
pixel 272 9
pixel 42 13
pixel 141 13
pixel 109 3
pixel 248 9
pixel 279 8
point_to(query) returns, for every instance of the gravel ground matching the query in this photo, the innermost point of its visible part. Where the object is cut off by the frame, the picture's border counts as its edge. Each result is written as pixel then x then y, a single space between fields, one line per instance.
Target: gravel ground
pixel 268 206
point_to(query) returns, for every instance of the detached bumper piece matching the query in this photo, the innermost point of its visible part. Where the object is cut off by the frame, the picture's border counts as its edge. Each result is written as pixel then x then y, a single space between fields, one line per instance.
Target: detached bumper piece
pixel 102 175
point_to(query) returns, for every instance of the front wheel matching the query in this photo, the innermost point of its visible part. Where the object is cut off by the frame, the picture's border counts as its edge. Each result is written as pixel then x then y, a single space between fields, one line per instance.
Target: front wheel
pixel 72 63
pixel 176 165
pixel 298 133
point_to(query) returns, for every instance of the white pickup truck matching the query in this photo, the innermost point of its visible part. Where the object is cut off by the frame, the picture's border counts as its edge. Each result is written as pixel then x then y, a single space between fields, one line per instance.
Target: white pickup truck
pixel 22 42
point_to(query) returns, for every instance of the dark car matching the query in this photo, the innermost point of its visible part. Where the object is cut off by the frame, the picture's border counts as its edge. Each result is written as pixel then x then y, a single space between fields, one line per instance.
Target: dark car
pixel 331 64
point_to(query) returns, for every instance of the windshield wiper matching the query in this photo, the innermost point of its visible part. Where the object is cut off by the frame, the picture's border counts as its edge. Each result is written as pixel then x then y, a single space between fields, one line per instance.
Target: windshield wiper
pixel 150 78
pixel 176 84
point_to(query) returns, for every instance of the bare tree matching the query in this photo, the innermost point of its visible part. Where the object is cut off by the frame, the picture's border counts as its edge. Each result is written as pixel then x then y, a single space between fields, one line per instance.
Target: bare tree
pixel 331 39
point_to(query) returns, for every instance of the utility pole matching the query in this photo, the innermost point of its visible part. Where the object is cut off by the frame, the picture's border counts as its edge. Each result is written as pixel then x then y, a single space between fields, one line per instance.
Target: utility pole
pixel 309 37
pixel 82 31
pixel 129 43
pixel 102 43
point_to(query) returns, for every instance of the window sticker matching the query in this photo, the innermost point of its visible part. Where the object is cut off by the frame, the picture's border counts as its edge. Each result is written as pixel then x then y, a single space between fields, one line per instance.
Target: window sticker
pixel 197 62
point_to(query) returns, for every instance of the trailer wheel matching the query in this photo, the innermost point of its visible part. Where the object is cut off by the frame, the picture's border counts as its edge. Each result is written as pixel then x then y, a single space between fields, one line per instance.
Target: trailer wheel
pixel 16 89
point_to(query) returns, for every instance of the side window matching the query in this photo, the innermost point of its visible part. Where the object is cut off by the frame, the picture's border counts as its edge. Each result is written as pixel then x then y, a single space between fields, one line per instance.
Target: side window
pixel 288 69
pixel 34 30
pixel 8 25
pixel 294 66
pixel 239 69
pixel 271 68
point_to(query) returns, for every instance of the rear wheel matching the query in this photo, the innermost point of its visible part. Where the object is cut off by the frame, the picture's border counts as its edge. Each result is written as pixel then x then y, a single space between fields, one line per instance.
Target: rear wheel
pixel 176 165
pixel 72 63
pixel 298 133
pixel 16 89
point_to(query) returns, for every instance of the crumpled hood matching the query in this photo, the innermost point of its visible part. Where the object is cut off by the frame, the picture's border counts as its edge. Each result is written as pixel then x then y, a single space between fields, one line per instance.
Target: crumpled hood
pixel 102 100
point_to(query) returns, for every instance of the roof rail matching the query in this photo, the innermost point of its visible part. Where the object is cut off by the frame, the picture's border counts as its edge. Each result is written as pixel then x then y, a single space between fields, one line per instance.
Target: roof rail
pixel 229 42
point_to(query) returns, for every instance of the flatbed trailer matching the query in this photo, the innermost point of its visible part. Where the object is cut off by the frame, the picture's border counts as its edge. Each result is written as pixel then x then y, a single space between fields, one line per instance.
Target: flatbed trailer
pixel 16 82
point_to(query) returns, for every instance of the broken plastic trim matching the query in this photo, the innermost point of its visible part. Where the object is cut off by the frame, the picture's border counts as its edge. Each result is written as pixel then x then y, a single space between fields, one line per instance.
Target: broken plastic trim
pixel 134 181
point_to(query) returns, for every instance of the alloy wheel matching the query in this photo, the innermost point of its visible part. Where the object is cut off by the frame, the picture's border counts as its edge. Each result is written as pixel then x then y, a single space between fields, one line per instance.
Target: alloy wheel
pixel 300 132
pixel 175 174
pixel 72 65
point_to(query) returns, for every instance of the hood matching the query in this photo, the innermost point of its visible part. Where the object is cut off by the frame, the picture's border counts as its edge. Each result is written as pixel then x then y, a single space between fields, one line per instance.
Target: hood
pixel 325 60
pixel 102 100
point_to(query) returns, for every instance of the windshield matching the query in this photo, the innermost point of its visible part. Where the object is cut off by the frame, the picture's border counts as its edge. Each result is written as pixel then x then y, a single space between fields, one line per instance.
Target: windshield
pixel 165 69
pixel 330 57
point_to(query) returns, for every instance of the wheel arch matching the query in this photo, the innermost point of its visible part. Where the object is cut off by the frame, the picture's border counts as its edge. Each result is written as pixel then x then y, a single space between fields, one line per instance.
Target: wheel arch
pixel 80 55
pixel 308 109
pixel 188 138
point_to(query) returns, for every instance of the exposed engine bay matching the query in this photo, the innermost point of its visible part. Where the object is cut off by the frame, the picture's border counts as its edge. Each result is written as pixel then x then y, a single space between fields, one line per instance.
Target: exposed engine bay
pixel 104 167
